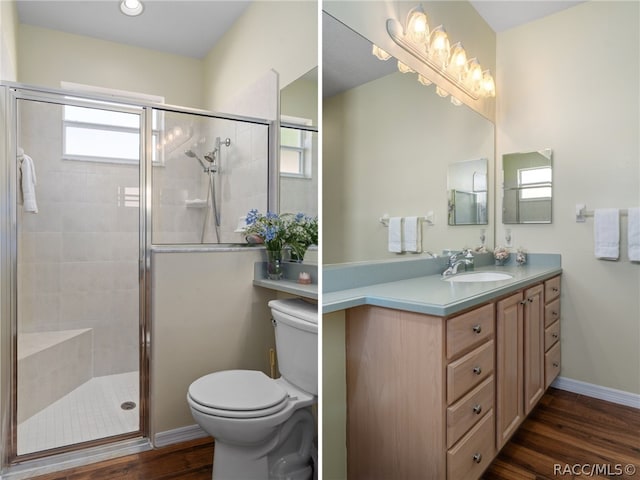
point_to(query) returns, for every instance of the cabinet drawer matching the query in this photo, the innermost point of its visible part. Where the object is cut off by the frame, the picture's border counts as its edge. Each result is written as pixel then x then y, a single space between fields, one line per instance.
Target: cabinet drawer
pixel 552 289
pixel 468 330
pixel 473 454
pixel 551 312
pixel 468 371
pixel 551 335
pixel 551 364
pixel 464 414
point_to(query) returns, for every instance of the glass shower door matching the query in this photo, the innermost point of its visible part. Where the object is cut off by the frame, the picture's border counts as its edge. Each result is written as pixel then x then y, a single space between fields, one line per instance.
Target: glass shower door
pixel 78 275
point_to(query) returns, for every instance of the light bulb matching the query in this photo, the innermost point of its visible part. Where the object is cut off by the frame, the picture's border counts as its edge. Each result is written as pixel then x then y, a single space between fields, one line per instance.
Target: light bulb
pixel 380 53
pixel 473 79
pixel 458 61
pixel 441 92
pixel 417 27
pixel 488 84
pixel 404 68
pixel 424 80
pixel 455 101
pixel 439 46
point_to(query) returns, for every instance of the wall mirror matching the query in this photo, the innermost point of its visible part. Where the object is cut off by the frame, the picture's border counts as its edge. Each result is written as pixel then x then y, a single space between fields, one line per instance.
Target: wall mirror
pixel 528 187
pixel 467 190
pixel 388 142
pixel 299 145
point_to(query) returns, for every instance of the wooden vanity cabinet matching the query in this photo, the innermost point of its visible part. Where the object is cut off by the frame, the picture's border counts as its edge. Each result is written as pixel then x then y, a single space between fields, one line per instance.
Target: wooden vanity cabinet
pixel 420 394
pixel 552 330
pixel 436 398
pixel 527 353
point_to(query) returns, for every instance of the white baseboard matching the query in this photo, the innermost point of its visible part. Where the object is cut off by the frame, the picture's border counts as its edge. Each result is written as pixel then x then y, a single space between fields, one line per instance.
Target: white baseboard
pixel 596 391
pixel 177 435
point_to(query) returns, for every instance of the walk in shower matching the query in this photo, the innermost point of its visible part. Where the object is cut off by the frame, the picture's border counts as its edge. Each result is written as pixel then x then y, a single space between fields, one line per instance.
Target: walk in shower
pixel 91 185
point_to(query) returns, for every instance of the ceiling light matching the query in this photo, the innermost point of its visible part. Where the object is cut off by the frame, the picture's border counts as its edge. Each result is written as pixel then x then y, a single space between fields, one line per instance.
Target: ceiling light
pixel 432 48
pixel 131 8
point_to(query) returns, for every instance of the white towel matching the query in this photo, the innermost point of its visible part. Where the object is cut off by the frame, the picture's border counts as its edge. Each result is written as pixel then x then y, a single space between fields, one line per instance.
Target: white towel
pixel 395 234
pixel 28 183
pixel 634 234
pixel 606 229
pixel 412 235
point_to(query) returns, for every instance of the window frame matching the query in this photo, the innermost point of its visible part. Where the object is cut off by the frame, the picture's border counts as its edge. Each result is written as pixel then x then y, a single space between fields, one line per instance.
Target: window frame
pixel 305 128
pixel 113 106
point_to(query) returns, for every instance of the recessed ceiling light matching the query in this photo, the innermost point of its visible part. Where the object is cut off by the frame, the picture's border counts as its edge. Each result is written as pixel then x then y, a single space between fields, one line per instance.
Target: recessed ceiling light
pixel 131 7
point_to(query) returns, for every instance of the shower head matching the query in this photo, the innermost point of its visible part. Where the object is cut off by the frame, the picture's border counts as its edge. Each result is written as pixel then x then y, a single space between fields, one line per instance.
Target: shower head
pixel 192 154
pixel 211 156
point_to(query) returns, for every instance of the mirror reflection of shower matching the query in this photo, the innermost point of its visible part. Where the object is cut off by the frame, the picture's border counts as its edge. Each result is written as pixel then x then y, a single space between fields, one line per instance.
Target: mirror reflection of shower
pixel 211 168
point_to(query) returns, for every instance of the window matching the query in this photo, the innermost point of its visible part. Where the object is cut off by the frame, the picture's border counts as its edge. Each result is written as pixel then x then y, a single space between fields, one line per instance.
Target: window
pixel 95 133
pixel 295 148
pixel 534 183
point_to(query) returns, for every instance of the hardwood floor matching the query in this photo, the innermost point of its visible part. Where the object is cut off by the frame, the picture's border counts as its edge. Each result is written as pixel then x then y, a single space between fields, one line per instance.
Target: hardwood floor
pixel 184 461
pixel 565 429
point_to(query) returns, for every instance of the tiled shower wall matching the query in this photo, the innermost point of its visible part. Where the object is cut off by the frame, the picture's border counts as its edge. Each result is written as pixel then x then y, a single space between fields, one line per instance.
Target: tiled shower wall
pixel 240 183
pixel 78 256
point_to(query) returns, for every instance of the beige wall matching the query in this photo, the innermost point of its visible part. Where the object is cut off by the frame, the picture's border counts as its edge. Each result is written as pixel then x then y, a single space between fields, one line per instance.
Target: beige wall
pixel 207 316
pixel 8 41
pixel 273 35
pixel 48 57
pixel 566 88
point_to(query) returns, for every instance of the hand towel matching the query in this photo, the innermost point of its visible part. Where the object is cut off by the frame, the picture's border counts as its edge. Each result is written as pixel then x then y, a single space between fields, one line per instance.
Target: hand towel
pixel 28 184
pixel 412 235
pixel 606 228
pixel 395 234
pixel 634 234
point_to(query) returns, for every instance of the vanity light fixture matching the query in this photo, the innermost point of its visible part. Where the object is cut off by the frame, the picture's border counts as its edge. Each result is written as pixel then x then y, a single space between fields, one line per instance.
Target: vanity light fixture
pixel 132 8
pixel 432 47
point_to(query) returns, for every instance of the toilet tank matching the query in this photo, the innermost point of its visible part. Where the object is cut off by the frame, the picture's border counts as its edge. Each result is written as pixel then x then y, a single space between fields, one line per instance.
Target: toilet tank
pixel 296 330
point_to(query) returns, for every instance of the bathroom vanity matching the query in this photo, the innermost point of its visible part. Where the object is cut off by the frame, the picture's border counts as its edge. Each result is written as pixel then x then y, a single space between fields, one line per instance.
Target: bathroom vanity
pixel 439 379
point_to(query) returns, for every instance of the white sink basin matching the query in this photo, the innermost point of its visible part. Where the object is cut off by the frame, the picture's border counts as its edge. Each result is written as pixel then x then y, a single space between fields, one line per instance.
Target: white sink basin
pixel 479 277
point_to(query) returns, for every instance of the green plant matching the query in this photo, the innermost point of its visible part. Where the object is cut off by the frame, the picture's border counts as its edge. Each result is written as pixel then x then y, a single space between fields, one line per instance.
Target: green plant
pixel 278 231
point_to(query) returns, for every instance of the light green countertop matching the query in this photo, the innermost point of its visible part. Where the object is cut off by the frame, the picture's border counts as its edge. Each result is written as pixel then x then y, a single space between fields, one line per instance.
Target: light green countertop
pixel 432 295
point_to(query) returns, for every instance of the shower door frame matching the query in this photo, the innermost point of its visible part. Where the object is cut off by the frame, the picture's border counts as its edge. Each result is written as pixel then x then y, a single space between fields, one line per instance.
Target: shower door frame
pixel 62 98
pixel 10 92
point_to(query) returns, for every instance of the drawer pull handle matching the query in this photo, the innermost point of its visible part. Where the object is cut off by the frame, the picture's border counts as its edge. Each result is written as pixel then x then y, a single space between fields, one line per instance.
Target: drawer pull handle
pixel 556 364
pixel 477 409
pixel 554 335
pixel 477 370
pixel 555 314
pixel 477 457
pixel 523 302
pixel 477 328
pixel 555 289
pixel 530 299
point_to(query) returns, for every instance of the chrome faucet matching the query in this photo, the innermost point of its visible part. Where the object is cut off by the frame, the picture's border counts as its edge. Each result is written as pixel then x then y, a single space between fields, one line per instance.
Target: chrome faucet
pixel 455 261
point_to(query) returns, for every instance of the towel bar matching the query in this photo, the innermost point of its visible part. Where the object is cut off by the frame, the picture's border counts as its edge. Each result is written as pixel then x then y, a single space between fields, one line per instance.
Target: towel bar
pixel 428 219
pixel 582 213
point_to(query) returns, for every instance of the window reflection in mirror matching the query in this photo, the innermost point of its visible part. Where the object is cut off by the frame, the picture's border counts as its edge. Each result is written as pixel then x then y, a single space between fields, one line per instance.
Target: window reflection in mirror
pixel 528 187
pixel 299 146
pixel 467 190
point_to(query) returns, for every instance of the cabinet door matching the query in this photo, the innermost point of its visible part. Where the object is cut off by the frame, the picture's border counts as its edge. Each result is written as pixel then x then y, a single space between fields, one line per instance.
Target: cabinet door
pixel 533 347
pixel 509 401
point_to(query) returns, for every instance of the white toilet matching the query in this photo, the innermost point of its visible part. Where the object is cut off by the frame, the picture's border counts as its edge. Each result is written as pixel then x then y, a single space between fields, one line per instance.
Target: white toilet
pixel 264 428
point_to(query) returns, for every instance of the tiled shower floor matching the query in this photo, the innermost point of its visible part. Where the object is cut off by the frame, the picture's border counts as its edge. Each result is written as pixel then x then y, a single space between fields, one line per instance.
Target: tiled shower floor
pixel 89 412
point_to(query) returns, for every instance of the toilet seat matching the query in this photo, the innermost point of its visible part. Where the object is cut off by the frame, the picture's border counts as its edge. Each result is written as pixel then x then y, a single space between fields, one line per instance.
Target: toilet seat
pixel 238 394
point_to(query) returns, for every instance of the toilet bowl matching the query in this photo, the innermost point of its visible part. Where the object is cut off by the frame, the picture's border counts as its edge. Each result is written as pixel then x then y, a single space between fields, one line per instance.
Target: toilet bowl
pixel 263 428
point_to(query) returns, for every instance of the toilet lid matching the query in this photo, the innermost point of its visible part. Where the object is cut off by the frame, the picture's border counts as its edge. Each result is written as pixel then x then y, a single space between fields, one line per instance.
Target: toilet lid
pixel 237 390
